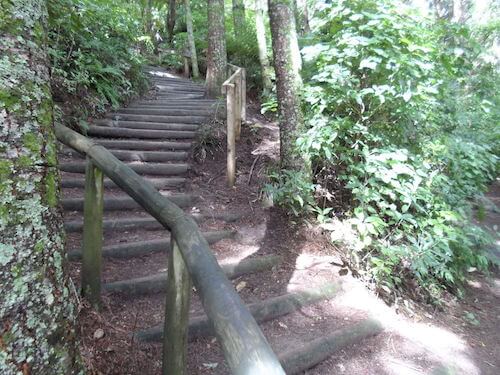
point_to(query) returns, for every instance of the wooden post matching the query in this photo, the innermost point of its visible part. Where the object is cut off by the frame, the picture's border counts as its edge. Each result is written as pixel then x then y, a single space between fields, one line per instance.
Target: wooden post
pixel 176 314
pixel 231 140
pixel 92 234
pixel 237 107
pixel 243 95
pixel 186 66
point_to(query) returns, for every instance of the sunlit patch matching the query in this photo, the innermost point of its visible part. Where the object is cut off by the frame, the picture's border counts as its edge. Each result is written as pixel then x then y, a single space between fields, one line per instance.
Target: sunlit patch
pixel 475 284
pixel 159 73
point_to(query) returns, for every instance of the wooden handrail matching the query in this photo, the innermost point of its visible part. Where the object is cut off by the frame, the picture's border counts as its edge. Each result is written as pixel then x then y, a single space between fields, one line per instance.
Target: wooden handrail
pixel 243 343
pixel 235 89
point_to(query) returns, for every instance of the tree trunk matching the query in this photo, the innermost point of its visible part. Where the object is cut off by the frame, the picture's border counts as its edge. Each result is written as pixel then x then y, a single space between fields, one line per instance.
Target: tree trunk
pixel 302 17
pixel 148 22
pixel 37 310
pixel 260 29
pixel 190 34
pixel 171 20
pixel 287 65
pixel 238 16
pixel 216 55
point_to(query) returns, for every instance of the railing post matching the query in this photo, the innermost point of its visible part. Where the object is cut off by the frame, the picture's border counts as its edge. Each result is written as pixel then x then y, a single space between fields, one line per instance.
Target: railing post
pixel 92 234
pixel 243 95
pixel 231 140
pixel 237 106
pixel 176 314
pixel 186 66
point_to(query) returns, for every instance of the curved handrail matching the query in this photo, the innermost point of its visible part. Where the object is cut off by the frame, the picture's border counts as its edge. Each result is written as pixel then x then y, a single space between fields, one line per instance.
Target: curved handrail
pixel 245 347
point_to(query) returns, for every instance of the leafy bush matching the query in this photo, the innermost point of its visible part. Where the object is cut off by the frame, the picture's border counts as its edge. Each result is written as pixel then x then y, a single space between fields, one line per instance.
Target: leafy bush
pixel 94 63
pixel 399 137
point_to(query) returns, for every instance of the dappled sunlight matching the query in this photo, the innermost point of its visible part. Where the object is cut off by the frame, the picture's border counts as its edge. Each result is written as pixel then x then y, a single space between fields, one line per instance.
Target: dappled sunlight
pixel 423 340
pixel 162 73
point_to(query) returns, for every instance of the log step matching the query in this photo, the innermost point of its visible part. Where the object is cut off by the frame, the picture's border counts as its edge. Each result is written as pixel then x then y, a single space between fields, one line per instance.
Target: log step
pixel 146 223
pixel 159 183
pixel 158 283
pixel 124 202
pixel 186 119
pixel 135 249
pixel 142 145
pixel 263 311
pixel 144 156
pixel 145 125
pixel 148 168
pixel 106 131
pixel 164 111
pixel 309 354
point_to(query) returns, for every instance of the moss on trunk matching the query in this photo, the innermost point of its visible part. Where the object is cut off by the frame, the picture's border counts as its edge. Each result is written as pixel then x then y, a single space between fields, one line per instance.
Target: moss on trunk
pixel 36 311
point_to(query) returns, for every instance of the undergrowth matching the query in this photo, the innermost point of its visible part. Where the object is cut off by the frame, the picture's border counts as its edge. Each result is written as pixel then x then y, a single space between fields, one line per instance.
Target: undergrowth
pixel 402 130
pixel 94 48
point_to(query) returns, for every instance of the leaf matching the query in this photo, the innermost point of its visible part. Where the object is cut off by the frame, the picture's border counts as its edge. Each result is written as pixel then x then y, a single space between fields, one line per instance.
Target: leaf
pixel 240 286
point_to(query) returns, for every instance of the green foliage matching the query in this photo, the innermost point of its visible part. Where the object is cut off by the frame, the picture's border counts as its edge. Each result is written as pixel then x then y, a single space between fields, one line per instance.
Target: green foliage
pixel 94 62
pixel 402 119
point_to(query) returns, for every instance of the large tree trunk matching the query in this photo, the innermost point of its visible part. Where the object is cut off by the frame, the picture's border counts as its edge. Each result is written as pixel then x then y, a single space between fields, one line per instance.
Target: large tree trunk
pixel 190 34
pixel 216 55
pixel 238 16
pixel 260 29
pixel 287 65
pixel 171 20
pixel 37 311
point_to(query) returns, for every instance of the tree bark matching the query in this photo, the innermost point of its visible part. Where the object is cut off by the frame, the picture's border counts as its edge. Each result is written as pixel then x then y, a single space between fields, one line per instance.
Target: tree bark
pixel 302 17
pixel 216 55
pixel 287 65
pixel 238 16
pixel 171 20
pixel 190 35
pixel 37 310
pixel 260 29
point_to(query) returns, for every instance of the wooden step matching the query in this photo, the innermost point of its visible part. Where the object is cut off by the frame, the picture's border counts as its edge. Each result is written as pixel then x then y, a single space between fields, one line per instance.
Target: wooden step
pixel 263 311
pixel 162 169
pixel 120 203
pixel 146 223
pixel 309 354
pixel 144 156
pixel 158 182
pixel 106 131
pixel 158 283
pixel 145 125
pixel 140 248
pixel 124 144
pixel 165 111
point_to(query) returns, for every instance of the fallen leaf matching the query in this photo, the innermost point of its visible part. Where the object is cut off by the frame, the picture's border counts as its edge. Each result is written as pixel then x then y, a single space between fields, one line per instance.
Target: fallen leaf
pixel 211 365
pixel 240 286
pixel 99 333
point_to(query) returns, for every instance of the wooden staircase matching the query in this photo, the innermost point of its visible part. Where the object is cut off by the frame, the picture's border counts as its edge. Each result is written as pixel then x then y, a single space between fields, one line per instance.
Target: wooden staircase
pixel 154 136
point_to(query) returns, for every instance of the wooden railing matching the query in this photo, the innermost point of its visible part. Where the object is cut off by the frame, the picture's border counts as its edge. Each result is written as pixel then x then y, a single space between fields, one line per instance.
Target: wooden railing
pixel 190 258
pixel 236 101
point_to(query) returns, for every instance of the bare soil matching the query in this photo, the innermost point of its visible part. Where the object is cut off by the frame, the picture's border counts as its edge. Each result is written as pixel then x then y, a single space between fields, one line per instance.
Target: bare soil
pixel 461 339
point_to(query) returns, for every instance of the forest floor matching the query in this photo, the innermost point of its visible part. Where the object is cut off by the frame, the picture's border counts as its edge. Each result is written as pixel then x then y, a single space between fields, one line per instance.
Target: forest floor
pixel 460 338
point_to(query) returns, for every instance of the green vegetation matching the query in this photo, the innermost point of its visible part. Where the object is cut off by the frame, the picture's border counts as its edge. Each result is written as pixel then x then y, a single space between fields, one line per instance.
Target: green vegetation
pixel 402 130
pixel 94 47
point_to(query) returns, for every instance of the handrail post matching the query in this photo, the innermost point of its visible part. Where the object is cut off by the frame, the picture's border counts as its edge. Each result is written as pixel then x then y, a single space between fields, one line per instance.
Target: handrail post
pixel 176 314
pixel 231 136
pixel 186 66
pixel 237 106
pixel 243 95
pixel 92 234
